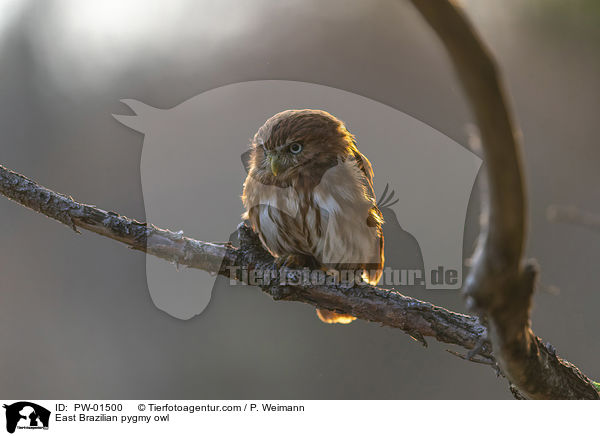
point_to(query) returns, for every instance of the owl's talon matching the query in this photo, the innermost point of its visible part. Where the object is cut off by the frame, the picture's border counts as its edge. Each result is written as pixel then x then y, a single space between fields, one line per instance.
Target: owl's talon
pixel 281 262
pixel 295 261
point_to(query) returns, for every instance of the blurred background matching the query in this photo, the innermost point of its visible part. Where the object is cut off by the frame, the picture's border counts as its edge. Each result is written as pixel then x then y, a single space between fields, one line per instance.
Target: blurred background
pixel 76 320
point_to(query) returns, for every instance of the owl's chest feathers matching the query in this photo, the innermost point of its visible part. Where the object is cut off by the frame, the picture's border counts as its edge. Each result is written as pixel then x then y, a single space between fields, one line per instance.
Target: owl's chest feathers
pixel 328 222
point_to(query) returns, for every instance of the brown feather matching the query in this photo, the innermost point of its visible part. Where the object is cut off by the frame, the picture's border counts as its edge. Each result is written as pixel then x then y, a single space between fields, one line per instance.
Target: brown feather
pixel 322 203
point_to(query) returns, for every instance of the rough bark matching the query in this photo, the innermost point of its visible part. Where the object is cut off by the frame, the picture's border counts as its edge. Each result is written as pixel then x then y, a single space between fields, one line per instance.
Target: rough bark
pixel 418 318
pixel 499 287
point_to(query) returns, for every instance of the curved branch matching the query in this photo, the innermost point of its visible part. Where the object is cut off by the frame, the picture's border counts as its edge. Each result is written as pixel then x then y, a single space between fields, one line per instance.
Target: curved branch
pixel 418 318
pixel 500 286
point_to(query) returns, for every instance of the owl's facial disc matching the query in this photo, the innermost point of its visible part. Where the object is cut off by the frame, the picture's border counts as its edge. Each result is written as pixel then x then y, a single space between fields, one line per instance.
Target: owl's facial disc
pixel 283 157
pixel 296 147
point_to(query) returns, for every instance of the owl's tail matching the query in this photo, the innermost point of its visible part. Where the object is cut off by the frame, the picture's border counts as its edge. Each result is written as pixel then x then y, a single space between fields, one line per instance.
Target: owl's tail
pixel 331 317
pixel 371 276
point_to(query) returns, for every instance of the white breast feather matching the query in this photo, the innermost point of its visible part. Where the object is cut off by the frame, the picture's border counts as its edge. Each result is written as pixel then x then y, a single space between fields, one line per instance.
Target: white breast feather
pixel 345 206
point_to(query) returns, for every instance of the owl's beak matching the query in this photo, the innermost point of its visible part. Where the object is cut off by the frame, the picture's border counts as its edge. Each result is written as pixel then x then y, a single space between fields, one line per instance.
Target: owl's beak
pixel 275 165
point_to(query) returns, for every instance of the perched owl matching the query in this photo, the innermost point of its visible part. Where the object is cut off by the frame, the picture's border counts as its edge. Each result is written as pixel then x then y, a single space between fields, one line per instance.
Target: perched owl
pixel 309 196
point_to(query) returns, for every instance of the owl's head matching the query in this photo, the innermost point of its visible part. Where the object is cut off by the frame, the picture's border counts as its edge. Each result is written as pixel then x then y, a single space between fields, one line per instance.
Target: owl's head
pixel 298 145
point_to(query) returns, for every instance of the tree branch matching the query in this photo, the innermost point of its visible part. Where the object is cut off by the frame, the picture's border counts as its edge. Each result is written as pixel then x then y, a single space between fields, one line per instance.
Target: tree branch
pixel 500 285
pixel 418 318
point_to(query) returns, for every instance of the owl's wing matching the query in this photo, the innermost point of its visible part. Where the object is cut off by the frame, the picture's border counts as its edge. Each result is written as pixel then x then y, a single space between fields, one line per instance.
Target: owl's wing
pixel 365 166
pixel 375 217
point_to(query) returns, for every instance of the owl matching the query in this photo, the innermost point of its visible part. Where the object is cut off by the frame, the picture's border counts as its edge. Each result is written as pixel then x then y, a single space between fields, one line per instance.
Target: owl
pixel 309 196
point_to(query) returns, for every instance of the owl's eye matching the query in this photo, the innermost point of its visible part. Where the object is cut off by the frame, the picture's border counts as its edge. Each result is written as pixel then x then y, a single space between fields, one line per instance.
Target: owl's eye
pixel 295 147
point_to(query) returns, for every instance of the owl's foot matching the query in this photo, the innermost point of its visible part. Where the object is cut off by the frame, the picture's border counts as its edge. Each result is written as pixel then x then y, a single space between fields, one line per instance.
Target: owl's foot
pixel 331 317
pixel 296 261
